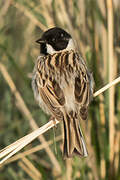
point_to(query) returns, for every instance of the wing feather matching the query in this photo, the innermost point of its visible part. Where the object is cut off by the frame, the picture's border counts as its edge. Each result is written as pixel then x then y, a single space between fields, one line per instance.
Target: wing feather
pixel 51 103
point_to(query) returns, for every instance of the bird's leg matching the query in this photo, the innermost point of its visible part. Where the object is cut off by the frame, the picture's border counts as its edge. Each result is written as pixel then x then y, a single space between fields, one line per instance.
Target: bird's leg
pixel 52 118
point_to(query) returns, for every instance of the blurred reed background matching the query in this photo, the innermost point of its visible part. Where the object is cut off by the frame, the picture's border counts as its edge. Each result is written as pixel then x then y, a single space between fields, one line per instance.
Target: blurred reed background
pixel 95 26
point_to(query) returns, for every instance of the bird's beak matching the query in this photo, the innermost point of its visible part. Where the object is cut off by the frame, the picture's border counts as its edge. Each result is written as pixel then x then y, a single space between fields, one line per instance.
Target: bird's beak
pixel 40 41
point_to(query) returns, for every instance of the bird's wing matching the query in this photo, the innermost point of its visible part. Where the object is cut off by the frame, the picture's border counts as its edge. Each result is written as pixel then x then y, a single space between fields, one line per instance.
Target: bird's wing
pixel 52 100
pixel 49 89
pixel 83 91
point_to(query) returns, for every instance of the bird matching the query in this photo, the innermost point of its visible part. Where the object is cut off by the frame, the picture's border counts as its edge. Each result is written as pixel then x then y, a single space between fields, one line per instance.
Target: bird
pixel 63 87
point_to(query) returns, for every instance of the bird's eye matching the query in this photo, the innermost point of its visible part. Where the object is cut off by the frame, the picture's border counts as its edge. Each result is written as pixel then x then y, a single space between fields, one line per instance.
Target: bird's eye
pixel 53 39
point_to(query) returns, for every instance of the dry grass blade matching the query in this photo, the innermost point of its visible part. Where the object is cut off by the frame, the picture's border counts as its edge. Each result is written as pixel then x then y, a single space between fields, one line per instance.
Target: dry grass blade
pixel 111 77
pixel 46 13
pixel 103 169
pixel 32 150
pixel 103 39
pixel 102 120
pixel 5 8
pixel 32 168
pixel 116 150
pixel 109 85
pixel 12 146
pixel 25 111
pixel 24 51
pixel 27 170
pixel 29 15
pixel 69 169
pixel 24 141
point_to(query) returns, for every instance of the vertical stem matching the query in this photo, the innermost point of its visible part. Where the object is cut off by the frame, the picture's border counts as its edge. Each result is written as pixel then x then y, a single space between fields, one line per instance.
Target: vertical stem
pixel 103 39
pixel 111 76
pixel 69 169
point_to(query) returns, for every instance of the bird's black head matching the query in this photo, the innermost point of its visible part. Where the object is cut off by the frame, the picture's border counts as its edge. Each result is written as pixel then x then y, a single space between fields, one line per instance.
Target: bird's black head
pixel 55 39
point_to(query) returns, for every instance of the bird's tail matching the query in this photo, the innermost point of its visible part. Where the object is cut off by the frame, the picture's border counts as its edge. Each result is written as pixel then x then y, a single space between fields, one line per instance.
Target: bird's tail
pixel 73 139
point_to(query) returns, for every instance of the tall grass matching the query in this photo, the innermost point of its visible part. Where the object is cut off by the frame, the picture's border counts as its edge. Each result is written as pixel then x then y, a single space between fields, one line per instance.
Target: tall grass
pixel 94 26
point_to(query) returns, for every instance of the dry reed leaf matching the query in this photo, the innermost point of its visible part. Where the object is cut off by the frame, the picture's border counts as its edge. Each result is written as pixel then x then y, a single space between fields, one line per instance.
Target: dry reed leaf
pixel 26 169
pixel 31 167
pixel 26 140
pixel 32 150
pixel 22 106
pixel 102 110
pixel 46 12
pixel 111 77
pixel 103 39
pixel 69 169
pixel 91 160
pixel 102 120
pixel 109 85
pixel 116 150
pixel 29 15
pixel 102 168
pixel 24 51
pixel 4 8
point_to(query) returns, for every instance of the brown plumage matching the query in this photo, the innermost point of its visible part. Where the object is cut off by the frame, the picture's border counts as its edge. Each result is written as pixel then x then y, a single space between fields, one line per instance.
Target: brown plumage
pixel 63 87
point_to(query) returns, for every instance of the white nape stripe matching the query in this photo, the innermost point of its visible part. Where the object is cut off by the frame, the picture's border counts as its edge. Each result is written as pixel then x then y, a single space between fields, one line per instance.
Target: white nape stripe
pixel 71 45
pixel 50 49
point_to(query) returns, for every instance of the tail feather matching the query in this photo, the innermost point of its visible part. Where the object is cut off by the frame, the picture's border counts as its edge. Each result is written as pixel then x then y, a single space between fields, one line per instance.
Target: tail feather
pixel 73 138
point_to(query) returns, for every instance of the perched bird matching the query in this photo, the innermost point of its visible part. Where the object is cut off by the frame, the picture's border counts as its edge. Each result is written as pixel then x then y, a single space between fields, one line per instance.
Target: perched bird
pixel 63 86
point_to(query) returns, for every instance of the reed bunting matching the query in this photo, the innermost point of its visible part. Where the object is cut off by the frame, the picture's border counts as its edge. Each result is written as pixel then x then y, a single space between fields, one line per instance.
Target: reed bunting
pixel 63 86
